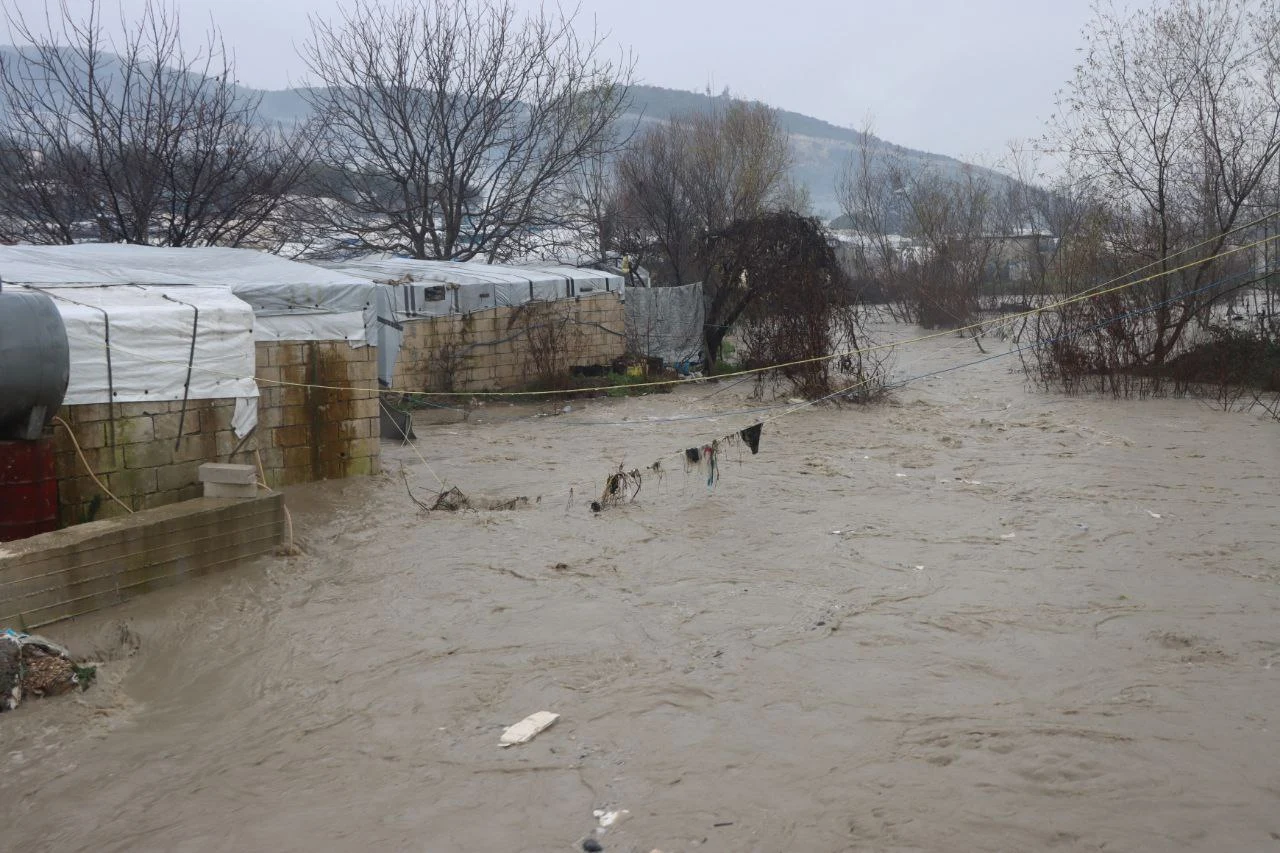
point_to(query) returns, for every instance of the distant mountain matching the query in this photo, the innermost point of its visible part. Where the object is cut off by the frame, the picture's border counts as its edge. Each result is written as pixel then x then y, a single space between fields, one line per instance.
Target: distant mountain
pixel 820 149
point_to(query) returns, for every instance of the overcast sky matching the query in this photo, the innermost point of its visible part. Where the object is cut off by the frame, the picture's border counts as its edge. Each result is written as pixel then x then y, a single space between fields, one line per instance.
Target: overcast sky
pixel 958 77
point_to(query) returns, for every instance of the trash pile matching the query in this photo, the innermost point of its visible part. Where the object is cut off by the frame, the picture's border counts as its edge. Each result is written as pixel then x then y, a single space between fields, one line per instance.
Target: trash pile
pixel 33 666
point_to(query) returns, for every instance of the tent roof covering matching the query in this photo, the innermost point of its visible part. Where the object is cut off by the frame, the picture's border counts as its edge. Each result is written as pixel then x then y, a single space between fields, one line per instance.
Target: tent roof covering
pixel 291 300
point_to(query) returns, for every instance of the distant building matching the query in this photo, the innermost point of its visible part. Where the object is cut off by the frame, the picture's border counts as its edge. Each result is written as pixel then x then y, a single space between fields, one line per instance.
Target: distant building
pixel 1015 258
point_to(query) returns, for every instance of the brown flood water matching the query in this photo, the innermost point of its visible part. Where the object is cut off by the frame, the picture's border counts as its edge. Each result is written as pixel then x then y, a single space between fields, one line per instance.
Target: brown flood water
pixel 1000 649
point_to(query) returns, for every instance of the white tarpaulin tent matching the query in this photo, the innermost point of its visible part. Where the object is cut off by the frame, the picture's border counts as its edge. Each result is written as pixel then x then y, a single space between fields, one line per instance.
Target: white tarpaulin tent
pixel 181 323
pixel 292 301
pixel 136 344
pixel 411 289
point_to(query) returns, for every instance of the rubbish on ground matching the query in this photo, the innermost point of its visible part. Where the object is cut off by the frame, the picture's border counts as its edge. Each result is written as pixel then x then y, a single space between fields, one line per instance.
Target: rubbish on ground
pixel 609 818
pixel 899 474
pixel 528 728
pixel 591 845
pixel 1082 525
pixel 1009 536
pixel 48 676
pixel 32 665
pixel 1153 514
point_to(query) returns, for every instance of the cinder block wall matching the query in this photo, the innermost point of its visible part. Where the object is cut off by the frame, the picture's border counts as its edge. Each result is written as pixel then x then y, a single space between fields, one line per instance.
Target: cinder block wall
pixel 509 347
pixel 303 434
pixel 309 433
pixel 134 448
pixel 65 573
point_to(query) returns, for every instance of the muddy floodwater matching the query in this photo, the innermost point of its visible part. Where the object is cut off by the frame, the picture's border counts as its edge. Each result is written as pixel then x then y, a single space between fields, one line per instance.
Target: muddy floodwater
pixel 977 618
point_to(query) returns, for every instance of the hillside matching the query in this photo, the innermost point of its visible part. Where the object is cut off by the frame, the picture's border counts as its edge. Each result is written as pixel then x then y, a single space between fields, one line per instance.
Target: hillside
pixel 820 148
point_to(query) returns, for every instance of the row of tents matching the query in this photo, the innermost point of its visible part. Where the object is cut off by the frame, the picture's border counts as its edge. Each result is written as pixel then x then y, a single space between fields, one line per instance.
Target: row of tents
pixel 149 323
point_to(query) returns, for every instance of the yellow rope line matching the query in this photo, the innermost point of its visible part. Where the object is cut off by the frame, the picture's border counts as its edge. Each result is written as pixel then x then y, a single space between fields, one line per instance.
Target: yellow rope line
pixel 1010 319
pixel 290 549
pixel 85 463
pixel 421 458
pixel 793 408
pixel 1099 290
pixel 1080 297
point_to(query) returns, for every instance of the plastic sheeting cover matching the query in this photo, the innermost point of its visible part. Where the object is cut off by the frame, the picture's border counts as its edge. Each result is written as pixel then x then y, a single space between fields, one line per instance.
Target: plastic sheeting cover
pixel 150 330
pixel 666 322
pixel 435 288
pixel 292 301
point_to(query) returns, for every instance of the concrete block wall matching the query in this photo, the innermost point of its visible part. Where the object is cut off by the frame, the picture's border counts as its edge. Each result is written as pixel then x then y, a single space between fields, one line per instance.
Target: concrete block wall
pixel 303 434
pixel 510 347
pixel 310 433
pixel 62 574
pixel 147 454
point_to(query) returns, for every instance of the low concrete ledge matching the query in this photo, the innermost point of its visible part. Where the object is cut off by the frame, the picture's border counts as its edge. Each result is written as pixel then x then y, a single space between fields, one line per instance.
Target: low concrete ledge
pixel 87 567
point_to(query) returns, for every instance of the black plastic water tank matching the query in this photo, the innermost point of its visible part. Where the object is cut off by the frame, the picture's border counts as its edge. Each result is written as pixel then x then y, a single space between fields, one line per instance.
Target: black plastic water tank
pixel 35 363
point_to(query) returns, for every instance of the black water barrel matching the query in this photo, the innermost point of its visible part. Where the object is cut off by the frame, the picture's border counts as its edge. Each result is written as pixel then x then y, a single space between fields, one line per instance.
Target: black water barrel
pixel 35 363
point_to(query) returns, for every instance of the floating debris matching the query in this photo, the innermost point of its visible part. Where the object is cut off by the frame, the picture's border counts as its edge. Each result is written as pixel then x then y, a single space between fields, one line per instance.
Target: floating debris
pixel 528 728
pixel 451 500
pixel 607 818
pixel 620 487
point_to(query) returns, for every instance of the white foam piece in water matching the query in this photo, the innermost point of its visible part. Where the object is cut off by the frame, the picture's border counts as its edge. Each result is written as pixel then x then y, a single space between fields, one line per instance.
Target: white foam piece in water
pixel 528 728
pixel 609 818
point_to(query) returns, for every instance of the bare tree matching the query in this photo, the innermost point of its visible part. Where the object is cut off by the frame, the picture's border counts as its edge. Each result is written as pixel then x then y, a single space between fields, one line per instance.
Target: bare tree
pixel 660 226
pixel 776 278
pixel 695 174
pixel 926 240
pixel 683 181
pixel 1174 116
pixel 137 137
pixel 955 224
pixel 869 192
pixel 452 126
pixel 589 213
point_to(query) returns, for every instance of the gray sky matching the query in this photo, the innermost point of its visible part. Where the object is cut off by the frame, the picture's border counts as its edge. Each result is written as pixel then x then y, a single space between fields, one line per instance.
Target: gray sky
pixel 958 77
